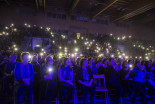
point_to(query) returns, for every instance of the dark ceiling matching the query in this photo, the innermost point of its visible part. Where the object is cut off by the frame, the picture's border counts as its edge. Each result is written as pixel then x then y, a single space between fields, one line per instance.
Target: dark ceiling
pixel 135 11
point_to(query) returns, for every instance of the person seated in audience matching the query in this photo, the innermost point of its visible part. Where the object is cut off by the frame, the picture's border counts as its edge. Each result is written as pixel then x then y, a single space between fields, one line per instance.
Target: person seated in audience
pixel 65 76
pixel 92 66
pixel 126 75
pixel 24 74
pixel 139 78
pixel 9 74
pixel 36 80
pixel 48 80
pixel 112 77
pixel 85 80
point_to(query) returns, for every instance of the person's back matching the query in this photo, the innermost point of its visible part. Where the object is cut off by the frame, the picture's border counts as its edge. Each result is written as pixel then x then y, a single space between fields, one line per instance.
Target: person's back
pixel 139 75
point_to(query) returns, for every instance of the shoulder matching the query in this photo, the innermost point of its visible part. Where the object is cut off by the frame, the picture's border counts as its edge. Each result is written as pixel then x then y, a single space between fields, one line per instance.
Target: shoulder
pixel 18 64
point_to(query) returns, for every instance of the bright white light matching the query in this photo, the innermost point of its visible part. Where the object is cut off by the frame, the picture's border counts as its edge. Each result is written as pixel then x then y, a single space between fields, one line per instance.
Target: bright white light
pixel 37 45
pixel 130 36
pixel 12 24
pixel 60 47
pixel 16 49
pixel 14 45
pixel 60 54
pixel 30 56
pixel 41 54
pixel 50 69
pixel 75 41
pixel 29 26
pixel 42 49
pixel 3 32
pixel 147 58
pixel 76 49
pixel 6 27
pixel 120 56
pixel 118 38
pixel 25 24
pixel 52 35
pixel 130 66
pixel 110 34
pixel 112 55
pixel 126 57
pixel 73 55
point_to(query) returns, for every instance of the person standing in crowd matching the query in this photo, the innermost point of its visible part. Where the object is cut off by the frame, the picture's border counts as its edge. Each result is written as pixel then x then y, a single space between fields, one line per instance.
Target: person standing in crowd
pixel 66 80
pixel 48 80
pixel 85 79
pixel 92 66
pixel 24 74
pixel 148 78
pixel 9 74
pixel 36 67
pixel 138 78
pixel 103 68
pixel 113 80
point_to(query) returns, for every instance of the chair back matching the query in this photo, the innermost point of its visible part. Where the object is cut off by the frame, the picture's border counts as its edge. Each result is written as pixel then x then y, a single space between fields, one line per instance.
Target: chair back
pixel 100 79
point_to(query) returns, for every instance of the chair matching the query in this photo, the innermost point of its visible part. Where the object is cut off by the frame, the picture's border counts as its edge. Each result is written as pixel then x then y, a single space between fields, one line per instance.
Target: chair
pixel 100 87
pixel 15 93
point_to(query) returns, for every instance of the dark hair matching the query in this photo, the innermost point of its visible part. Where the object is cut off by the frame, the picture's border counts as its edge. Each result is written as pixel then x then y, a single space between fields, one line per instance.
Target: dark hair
pixel 63 63
pixel 33 57
pixel 47 58
pixel 81 62
pixel 123 64
pixel 78 61
pixel 14 56
pixel 89 59
pixel 146 66
pixel 136 62
pixel 23 54
pixel 104 60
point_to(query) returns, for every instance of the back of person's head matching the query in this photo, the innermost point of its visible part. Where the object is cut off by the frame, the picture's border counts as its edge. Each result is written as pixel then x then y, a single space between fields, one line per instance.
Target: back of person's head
pixel 104 61
pixel 137 63
pixel 124 63
pixel 63 63
pixel 82 61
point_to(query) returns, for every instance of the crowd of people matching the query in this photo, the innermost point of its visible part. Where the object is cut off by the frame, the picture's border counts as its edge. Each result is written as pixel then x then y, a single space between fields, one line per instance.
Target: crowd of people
pixel 71 64
pixel 50 77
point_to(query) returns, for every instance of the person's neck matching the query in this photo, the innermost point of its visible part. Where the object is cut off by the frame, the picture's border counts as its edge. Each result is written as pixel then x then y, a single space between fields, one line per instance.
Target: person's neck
pixel 84 67
pixel 13 61
pixel 24 62
pixel 126 68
